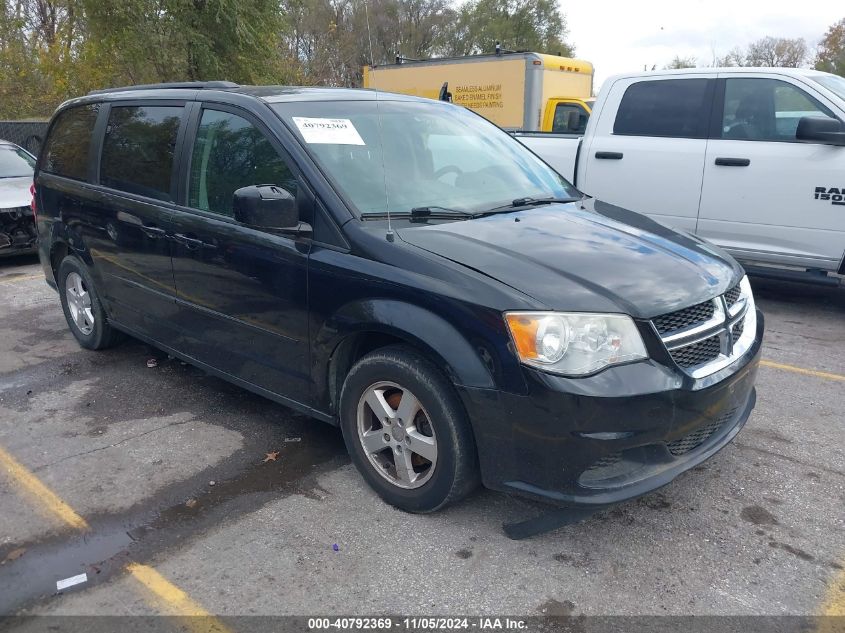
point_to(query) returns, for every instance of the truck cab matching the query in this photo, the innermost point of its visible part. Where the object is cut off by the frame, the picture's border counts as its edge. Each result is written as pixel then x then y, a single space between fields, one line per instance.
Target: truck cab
pixel 567 116
pixel 750 159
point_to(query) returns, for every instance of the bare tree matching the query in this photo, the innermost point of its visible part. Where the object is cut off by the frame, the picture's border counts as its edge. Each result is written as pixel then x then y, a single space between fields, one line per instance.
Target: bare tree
pixel 681 62
pixel 777 52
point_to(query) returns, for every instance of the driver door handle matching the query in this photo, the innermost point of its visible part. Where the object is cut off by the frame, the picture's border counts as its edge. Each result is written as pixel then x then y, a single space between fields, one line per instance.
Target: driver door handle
pixel 609 155
pixel 733 162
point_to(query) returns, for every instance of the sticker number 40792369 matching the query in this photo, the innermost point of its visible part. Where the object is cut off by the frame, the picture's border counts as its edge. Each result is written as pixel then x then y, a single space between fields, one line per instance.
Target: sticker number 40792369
pixel 328 131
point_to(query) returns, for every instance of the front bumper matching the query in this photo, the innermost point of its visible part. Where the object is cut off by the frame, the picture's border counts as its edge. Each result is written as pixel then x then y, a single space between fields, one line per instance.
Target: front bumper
pixel 617 435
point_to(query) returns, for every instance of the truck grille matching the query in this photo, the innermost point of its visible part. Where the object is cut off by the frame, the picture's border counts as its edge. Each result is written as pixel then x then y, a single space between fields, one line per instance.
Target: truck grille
pixel 702 337
pixel 695 439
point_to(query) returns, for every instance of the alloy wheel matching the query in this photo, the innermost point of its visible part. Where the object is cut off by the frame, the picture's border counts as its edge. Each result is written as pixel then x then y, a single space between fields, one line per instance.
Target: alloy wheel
pixel 396 434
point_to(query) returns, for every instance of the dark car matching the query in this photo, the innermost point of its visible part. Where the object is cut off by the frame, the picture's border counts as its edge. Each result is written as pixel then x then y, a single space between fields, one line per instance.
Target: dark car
pixel 406 270
pixel 17 225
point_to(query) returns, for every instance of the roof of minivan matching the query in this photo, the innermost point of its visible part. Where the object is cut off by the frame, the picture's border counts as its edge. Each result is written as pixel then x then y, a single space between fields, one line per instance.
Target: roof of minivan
pixel 269 94
pixel 794 72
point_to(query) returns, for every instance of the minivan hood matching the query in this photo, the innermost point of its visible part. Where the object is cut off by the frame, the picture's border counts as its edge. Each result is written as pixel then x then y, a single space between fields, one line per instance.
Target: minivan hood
pixel 14 192
pixel 585 256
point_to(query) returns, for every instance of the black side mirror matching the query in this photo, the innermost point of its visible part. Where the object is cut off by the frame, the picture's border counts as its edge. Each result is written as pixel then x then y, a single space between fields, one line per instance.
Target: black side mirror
pixel 820 129
pixel 265 207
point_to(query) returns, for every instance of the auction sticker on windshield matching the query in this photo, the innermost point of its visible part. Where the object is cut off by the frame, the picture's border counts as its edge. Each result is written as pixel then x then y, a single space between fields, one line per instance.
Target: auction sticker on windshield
pixel 328 131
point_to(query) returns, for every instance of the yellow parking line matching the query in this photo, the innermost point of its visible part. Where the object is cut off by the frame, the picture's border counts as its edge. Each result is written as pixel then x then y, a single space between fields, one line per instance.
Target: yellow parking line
pixel 175 600
pixel 832 609
pixel 46 499
pixel 834 603
pixel 801 370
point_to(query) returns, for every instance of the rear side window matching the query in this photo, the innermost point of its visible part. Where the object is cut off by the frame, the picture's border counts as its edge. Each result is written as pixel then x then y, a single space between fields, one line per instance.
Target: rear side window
pixel 138 150
pixel 68 146
pixel 671 107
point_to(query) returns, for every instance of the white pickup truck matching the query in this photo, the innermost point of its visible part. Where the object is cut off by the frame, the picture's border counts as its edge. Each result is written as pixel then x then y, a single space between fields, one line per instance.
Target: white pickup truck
pixel 752 159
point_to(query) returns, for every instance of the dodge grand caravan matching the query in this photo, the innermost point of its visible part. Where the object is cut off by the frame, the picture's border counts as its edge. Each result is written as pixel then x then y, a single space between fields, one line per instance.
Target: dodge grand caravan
pixel 403 269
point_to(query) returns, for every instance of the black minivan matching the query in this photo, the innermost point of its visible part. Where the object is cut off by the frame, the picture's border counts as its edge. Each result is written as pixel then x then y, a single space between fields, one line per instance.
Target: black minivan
pixel 406 270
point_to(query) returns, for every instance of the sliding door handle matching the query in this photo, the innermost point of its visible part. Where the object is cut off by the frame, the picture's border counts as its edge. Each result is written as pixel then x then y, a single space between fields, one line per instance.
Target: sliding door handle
pixel 153 231
pixel 189 242
pixel 733 162
pixel 609 155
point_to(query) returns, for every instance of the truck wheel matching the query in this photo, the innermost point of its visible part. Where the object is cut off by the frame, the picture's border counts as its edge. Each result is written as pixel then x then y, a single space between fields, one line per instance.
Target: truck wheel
pixel 81 305
pixel 407 431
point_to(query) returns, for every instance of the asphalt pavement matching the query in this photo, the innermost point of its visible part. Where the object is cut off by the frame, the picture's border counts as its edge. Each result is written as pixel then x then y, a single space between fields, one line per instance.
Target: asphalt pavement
pixel 156 483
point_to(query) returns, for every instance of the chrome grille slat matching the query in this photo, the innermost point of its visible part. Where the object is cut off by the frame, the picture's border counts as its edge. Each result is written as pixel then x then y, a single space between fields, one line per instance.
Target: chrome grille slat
pixel 698 353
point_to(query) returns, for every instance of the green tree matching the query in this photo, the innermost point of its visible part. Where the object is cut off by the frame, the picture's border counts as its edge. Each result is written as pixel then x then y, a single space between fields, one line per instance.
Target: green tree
pixel 535 25
pixel 830 56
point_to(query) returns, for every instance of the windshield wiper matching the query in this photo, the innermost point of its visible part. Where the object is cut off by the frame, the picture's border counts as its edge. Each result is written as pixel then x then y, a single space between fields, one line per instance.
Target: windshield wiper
pixel 434 211
pixel 529 202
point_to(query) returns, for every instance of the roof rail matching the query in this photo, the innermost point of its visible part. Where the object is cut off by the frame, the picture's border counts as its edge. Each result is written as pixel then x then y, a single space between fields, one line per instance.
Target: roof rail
pixel 190 85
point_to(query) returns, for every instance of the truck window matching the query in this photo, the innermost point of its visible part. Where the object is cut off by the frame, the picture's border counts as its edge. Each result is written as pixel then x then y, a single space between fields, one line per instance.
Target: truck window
pixel 69 143
pixel 138 149
pixel 766 109
pixel 671 107
pixel 230 153
pixel 570 118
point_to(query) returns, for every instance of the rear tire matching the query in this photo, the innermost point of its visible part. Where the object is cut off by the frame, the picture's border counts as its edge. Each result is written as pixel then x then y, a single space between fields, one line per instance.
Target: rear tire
pixel 407 432
pixel 83 309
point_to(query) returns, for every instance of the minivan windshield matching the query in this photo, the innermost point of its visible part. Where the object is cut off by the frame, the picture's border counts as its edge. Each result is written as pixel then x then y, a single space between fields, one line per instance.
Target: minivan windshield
pixel 15 163
pixel 834 83
pixel 412 155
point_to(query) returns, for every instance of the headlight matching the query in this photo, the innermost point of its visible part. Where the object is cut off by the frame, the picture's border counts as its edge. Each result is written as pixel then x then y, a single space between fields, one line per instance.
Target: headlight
pixel 574 343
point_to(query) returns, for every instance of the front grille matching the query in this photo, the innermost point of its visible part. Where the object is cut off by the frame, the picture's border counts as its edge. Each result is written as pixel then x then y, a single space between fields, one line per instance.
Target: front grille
pixel 736 330
pixel 698 353
pixel 695 439
pixel 732 295
pixel 680 319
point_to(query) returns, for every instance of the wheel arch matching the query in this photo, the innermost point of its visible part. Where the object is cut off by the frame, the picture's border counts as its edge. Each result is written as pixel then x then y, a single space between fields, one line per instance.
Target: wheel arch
pixel 360 328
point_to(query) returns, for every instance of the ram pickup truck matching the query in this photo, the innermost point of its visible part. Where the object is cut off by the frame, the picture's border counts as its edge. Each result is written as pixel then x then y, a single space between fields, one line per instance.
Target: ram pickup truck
pixel 752 159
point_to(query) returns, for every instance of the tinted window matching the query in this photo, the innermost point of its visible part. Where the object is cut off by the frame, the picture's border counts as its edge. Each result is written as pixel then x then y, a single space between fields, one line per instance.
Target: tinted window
pixel 67 148
pixel 230 153
pixel 570 118
pixel 673 107
pixel 138 149
pixel 14 162
pixel 766 109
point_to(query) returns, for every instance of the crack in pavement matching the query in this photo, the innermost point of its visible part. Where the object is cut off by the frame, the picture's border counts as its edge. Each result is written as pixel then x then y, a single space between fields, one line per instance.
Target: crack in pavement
pixel 102 448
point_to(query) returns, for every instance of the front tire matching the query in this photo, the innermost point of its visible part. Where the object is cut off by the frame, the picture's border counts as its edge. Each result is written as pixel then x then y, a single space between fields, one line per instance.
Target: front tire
pixel 406 431
pixel 83 309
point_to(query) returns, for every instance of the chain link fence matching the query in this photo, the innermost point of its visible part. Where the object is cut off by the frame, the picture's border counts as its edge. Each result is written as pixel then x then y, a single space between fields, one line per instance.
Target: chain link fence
pixel 28 134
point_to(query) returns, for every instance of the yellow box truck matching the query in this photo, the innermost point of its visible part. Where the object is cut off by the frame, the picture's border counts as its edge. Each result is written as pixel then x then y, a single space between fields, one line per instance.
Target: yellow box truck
pixel 517 91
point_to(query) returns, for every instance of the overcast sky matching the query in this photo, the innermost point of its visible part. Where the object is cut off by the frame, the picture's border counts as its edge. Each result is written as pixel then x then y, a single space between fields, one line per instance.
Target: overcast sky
pixel 620 36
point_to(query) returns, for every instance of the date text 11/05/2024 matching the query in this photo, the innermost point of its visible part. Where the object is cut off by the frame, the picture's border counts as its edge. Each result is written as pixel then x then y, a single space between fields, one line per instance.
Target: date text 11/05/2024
pixel 418 623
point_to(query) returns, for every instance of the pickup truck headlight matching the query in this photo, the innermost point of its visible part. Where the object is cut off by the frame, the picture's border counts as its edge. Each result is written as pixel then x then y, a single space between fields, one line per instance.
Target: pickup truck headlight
pixel 574 343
